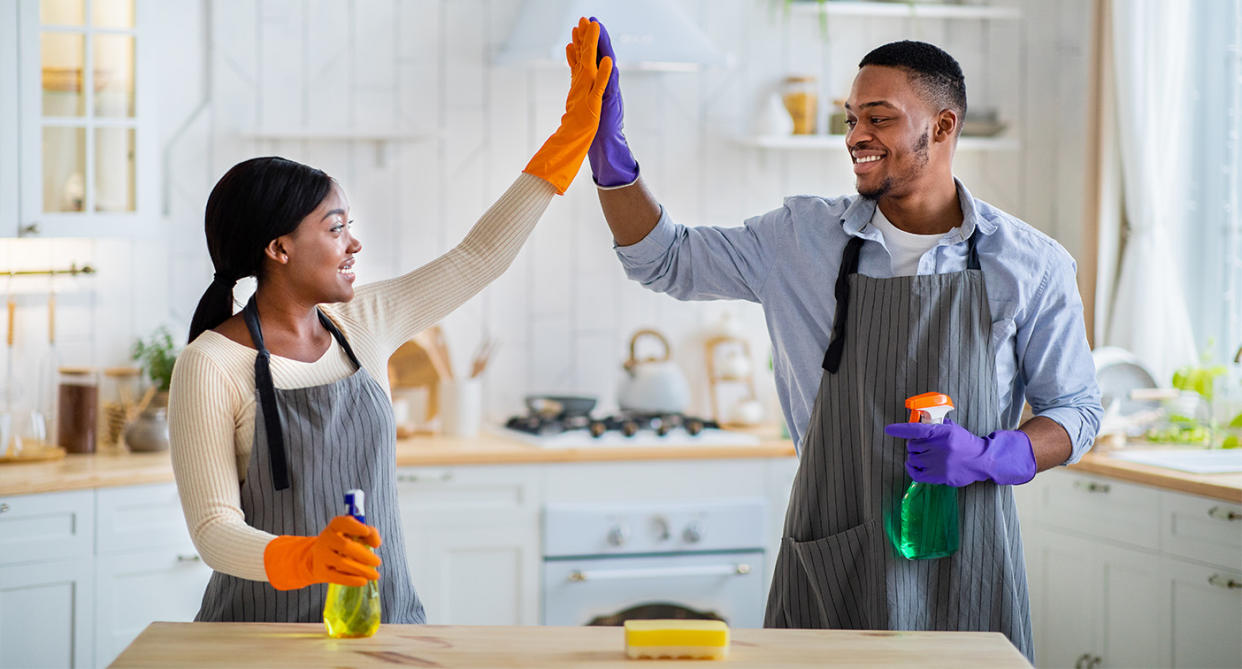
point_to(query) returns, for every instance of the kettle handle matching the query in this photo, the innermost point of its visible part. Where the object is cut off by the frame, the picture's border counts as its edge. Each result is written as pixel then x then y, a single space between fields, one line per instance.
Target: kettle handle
pixel 633 361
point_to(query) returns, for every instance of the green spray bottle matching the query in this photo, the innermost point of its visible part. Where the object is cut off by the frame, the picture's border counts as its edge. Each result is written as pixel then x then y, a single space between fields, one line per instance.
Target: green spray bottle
pixel 928 527
pixel 352 611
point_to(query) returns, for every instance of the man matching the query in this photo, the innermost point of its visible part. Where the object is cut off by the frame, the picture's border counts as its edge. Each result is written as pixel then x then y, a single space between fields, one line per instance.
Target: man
pixel 912 286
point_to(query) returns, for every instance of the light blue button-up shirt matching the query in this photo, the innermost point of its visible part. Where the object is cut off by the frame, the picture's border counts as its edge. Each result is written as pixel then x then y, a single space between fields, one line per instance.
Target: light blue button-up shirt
pixel 787 260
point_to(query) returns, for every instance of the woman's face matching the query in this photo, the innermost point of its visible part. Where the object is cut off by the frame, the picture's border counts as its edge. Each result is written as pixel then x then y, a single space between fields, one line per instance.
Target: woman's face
pixel 321 250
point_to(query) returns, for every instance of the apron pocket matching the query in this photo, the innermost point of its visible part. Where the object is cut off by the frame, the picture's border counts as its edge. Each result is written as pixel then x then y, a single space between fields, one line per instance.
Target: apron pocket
pixel 843 571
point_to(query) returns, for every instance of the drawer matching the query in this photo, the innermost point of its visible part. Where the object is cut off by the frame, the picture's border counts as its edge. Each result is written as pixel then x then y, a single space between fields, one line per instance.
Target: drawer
pixel 467 488
pixel 46 526
pixel 1202 529
pixel 1099 507
pixel 141 517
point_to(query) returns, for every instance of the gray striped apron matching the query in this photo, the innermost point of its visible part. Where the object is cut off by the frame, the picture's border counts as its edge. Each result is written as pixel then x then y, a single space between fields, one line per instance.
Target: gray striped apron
pixel 837 567
pixel 324 440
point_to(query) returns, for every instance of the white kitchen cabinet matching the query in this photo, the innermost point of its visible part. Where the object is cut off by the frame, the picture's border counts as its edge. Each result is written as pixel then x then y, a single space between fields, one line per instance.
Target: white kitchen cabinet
pixel 45 614
pixel 85 114
pixel 1206 614
pixel 46 583
pixel 146 568
pixel 1092 600
pixel 1128 575
pixel 135 589
pixel 472 542
pixel 1059 581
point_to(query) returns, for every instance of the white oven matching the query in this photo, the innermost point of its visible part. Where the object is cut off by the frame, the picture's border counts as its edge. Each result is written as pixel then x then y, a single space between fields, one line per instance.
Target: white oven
pixel 603 564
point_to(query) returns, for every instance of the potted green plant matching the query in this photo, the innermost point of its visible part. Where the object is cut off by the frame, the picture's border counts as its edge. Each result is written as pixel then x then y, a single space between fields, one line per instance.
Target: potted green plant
pixel 156 355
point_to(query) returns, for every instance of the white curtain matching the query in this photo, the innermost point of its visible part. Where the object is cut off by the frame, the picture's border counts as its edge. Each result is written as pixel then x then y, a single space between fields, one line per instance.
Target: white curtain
pixel 1147 313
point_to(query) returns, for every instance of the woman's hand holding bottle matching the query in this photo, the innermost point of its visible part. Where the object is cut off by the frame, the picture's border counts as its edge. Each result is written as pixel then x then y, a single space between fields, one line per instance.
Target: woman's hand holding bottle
pixel 338 555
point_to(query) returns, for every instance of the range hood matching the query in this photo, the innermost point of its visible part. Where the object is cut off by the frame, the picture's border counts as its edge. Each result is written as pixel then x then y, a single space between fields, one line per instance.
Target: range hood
pixel 646 34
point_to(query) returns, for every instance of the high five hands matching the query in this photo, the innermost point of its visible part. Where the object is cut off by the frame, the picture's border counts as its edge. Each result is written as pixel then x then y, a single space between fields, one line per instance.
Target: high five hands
pixel 561 156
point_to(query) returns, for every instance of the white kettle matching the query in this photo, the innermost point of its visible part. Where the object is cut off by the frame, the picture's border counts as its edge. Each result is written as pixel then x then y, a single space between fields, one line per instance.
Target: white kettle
pixel 652 385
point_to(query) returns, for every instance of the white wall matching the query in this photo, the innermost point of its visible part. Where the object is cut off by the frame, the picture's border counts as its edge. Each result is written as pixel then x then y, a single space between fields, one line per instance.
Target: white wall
pixel 564 311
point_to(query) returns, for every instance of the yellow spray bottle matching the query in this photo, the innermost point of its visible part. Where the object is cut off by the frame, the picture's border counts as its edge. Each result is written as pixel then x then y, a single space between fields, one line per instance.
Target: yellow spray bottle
pixel 928 527
pixel 352 611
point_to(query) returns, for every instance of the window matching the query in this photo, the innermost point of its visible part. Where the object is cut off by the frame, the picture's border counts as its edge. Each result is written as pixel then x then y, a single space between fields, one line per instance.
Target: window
pixel 1213 228
pixel 84 116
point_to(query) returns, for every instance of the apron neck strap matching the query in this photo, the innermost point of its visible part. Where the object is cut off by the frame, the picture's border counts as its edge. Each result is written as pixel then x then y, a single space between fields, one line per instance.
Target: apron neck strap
pixel 849 265
pixel 267 398
pixel 267 390
pixel 340 338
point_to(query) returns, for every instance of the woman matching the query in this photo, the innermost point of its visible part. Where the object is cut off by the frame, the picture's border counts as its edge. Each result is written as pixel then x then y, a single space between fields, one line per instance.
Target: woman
pixel 276 411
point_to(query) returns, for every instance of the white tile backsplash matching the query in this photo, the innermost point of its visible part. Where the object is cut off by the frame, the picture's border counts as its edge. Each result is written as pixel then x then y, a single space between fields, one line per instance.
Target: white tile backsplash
pixel 564 312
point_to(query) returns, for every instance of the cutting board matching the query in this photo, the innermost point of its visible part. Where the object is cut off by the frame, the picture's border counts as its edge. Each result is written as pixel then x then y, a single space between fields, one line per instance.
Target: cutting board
pixel 306 646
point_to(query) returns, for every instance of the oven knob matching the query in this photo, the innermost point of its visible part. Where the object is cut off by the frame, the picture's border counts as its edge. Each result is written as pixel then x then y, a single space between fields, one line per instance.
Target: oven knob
pixel 617 535
pixel 692 534
pixel 659 527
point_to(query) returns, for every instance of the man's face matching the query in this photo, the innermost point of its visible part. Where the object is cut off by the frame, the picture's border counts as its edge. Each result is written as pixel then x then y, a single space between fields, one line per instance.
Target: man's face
pixel 890 126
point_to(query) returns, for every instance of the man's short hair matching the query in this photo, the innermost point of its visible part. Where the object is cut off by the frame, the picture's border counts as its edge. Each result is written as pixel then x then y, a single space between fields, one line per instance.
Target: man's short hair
pixel 934 72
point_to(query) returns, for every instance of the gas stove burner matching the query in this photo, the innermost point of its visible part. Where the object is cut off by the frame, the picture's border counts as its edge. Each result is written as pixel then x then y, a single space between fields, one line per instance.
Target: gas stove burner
pixel 540 424
pixel 627 423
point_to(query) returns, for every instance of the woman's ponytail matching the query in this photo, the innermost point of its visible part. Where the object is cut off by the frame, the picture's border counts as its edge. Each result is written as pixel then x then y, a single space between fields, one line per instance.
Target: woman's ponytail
pixel 214 307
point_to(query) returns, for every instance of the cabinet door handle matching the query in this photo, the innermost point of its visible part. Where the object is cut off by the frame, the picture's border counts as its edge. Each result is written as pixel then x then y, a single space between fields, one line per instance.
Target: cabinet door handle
pixel 1222 581
pixel 29 230
pixel 739 569
pixel 1223 513
pixel 3 507
pixel 1092 486
pixel 1079 663
pixel 190 557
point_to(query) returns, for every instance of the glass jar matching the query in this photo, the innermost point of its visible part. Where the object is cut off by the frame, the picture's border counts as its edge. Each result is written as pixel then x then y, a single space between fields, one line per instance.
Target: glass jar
pixel 118 395
pixel 77 409
pixel 801 100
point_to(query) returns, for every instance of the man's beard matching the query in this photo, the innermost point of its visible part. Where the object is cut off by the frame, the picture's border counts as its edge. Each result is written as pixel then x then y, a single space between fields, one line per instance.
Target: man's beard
pixel 879 191
pixel 920 154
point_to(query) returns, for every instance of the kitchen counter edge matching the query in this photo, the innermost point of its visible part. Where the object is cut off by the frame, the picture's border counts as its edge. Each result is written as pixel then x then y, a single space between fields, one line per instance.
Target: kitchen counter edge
pixel 103 470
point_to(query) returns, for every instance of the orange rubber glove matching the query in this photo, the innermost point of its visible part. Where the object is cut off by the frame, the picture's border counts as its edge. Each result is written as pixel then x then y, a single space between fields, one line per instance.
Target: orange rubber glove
pixel 558 160
pixel 335 556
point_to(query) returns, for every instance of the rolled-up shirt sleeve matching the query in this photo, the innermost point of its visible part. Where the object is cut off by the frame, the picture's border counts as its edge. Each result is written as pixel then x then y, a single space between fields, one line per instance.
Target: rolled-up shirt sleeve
pixel 699 263
pixel 1055 358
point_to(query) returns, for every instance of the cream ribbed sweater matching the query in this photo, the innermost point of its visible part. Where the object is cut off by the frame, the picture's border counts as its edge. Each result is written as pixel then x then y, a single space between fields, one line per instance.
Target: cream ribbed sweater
pixel 212 401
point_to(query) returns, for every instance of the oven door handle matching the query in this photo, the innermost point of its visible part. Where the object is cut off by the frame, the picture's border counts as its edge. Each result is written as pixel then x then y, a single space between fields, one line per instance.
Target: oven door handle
pixel 738 569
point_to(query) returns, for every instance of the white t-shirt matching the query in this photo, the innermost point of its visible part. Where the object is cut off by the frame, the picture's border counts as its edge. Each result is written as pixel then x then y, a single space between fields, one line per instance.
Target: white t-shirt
pixel 905 247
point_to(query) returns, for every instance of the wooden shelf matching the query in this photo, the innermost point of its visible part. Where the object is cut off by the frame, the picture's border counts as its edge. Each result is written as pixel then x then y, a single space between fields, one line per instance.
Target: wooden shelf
pixel 837 142
pixel 917 10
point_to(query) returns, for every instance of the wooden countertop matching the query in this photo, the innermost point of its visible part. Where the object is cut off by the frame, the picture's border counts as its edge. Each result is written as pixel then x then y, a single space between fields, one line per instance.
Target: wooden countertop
pixel 83 472
pixel 78 472
pixel 101 470
pixel 495 449
pixel 306 645
pixel 1226 487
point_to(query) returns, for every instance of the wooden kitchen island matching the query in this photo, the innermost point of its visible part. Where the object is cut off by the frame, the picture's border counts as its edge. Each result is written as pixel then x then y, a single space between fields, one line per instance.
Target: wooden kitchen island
pixel 307 646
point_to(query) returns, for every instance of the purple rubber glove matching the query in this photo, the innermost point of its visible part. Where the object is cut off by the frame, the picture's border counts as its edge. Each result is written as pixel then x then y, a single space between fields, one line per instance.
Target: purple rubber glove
pixel 948 454
pixel 612 164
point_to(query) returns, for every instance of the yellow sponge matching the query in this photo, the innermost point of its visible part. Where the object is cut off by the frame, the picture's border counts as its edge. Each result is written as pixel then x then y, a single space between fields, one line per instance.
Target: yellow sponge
pixel 653 639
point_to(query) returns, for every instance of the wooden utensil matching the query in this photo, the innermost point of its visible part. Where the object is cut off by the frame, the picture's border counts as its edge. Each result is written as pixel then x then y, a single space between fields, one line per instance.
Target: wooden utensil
pixel 481 356
pixel 432 341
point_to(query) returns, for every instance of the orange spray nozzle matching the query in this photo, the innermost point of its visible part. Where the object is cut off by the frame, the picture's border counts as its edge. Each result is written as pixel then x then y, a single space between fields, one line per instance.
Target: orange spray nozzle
pixel 933 406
